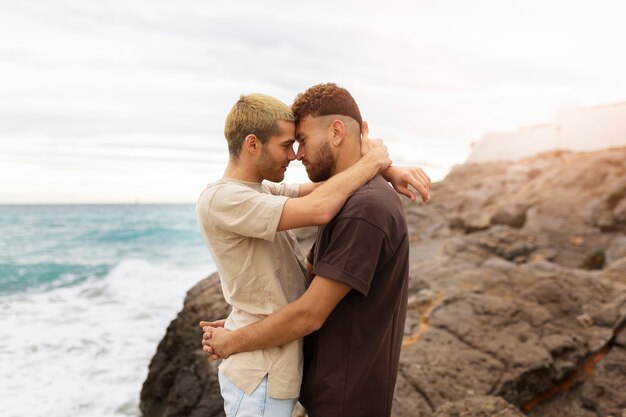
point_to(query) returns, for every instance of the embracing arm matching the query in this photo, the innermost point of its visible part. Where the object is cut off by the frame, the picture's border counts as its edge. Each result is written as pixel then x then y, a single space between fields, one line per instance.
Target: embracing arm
pixel 295 320
pixel 399 177
pixel 325 201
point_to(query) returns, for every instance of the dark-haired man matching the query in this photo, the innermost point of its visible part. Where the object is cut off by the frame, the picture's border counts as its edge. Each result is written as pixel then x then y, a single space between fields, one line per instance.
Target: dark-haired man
pixel 355 306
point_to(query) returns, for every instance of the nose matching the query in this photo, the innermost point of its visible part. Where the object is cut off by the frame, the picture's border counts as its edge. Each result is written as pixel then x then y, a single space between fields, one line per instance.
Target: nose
pixel 291 155
pixel 300 153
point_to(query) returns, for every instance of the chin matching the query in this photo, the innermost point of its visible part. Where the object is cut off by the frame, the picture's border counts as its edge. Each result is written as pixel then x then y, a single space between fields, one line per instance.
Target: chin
pixel 278 178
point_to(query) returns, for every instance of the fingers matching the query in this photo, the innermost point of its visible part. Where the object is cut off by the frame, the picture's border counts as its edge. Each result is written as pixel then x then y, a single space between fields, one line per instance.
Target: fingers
pixel 420 181
pixel 206 347
pixel 424 177
pixel 405 192
pixel 365 130
pixel 380 149
pixel 365 140
pixel 209 351
pixel 216 323
pixel 421 188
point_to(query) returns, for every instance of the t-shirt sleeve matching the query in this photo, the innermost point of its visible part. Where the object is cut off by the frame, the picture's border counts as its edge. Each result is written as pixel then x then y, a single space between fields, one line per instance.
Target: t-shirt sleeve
pixel 352 254
pixel 247 212
pixel 287 190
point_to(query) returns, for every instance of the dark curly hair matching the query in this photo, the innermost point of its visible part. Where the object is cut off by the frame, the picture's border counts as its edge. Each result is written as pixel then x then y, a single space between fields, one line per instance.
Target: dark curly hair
pixel 323 100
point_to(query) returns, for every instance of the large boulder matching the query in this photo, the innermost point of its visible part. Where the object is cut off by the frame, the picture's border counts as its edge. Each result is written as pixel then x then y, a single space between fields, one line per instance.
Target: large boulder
pixel 181 381
pixel 517 299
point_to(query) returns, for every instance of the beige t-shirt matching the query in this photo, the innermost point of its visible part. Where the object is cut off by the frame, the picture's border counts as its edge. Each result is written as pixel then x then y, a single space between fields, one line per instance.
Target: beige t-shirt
pixel 260 271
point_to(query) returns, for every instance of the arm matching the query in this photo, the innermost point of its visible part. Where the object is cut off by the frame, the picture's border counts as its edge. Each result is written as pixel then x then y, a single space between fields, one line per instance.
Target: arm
pixel 295 320
pixel 325 201
pixel 399 177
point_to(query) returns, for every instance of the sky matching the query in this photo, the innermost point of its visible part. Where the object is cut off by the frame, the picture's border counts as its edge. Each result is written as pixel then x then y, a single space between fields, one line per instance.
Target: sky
pixel 124 101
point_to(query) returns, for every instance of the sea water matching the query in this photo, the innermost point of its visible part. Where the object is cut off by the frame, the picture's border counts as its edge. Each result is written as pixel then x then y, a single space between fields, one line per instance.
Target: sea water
pixel 86 293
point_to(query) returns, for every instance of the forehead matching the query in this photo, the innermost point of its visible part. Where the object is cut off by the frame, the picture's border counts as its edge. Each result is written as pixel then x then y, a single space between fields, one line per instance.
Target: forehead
pixel 286 128
pixel 306 125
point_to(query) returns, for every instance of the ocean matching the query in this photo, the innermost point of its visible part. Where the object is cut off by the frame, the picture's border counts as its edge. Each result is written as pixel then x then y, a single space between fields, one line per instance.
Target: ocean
pixel 86 294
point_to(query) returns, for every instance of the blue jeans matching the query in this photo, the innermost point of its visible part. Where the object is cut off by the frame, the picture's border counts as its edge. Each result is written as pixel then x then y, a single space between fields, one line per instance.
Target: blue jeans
pixel 239 404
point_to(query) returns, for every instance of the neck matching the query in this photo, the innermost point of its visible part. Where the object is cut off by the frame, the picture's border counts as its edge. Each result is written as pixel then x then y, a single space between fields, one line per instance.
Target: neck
pixel 242 171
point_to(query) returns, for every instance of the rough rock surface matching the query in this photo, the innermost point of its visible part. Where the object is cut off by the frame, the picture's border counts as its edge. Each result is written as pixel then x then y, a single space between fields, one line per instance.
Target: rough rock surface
pixel 478 407
pixel 517 291
pixel 181 381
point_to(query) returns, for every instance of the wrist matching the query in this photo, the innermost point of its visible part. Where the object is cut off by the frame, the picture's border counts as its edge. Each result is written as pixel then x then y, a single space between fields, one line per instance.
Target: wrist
pixel 387 173
pixel 228 347
pixel 371 162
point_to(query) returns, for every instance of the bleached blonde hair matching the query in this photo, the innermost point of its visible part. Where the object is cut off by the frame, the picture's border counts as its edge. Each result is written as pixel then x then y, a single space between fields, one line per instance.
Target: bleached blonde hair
pixel 254 114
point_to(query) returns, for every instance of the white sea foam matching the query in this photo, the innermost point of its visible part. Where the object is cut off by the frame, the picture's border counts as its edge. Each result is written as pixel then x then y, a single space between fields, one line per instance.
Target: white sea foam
pixel 84 350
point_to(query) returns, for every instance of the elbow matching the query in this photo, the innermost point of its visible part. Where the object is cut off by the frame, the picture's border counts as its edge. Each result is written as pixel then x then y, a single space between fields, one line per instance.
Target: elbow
pixel 312 324
pixel 309 321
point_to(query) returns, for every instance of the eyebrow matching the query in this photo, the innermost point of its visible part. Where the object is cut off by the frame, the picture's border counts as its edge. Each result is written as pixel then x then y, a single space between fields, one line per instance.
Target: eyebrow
pixel 300 136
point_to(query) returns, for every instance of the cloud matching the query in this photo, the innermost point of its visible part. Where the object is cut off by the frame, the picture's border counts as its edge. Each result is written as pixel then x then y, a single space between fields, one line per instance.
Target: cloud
pixel 122 79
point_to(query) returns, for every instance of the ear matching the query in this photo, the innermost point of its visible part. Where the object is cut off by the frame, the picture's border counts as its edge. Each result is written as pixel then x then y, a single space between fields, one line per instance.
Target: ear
pixel 251 143
pixel 337 131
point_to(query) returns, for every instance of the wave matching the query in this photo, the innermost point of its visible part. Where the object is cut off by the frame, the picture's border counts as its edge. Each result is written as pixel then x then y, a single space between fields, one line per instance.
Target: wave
pixel 84 349
pixel 44 276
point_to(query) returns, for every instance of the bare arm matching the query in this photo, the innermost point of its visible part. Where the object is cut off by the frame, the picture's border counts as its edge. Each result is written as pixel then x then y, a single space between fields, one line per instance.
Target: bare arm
pixel 399 177
pixel 295 320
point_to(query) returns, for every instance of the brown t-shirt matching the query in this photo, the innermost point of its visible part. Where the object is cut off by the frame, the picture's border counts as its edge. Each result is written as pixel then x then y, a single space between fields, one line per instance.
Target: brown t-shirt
pixel 351 363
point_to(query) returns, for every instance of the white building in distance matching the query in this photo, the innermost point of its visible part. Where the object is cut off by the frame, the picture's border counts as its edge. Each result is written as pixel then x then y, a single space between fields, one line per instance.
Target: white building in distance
pixel 577 129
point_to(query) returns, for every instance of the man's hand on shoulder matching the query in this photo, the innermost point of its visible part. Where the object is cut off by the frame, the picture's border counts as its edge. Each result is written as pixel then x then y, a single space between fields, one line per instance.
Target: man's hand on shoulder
pixel 374 149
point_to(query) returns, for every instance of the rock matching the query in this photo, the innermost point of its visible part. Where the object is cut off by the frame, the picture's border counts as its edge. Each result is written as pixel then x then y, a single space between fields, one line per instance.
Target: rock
pixel 604 392
pixel 513 216
pixel 483 406
pixel 181 381
pixel 508 298
pixel 616 250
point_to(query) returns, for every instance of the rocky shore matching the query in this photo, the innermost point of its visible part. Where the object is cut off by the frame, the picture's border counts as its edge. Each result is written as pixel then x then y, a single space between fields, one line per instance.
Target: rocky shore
pixel 517 299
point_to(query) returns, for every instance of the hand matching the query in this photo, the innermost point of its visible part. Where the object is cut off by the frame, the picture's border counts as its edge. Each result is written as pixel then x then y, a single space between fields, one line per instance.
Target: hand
pixel 401 177
pixel 214 342
pixel 205 325
pixel 374 148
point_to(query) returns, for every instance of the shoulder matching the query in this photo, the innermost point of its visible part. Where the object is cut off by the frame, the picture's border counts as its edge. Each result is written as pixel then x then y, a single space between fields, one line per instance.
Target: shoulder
pixel 287 190
pixel 219 194
pixel 373 199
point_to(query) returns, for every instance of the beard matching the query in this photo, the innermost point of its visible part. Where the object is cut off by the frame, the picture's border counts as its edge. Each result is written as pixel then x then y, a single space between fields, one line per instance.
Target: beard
pixel 320 167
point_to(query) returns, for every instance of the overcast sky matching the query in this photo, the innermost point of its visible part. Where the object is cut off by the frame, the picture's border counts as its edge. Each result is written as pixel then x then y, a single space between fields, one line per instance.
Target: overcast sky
pixel 124 101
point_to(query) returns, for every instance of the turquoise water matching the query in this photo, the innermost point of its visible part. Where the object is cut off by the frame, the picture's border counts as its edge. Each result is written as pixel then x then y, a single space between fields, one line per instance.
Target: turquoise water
pixel 47 246
pixel 86 293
